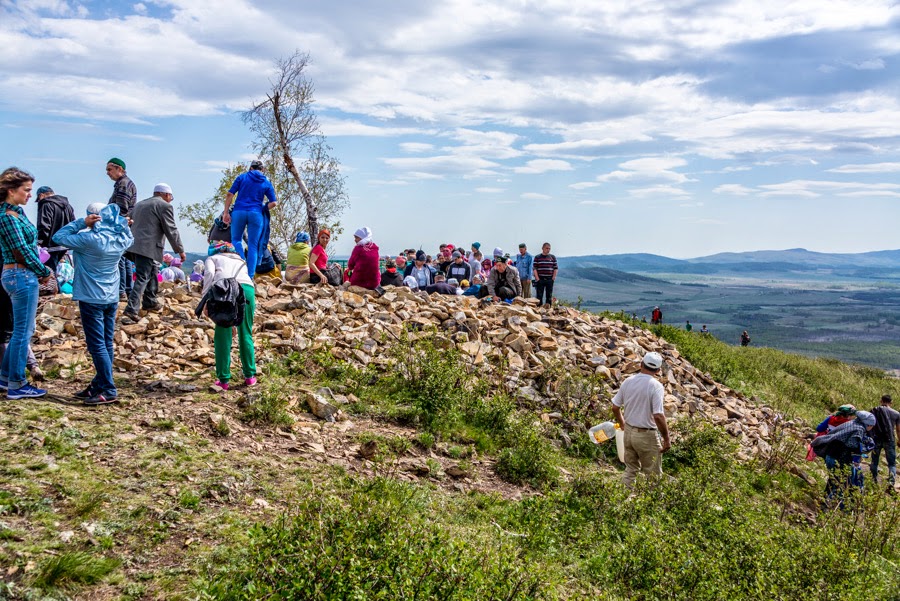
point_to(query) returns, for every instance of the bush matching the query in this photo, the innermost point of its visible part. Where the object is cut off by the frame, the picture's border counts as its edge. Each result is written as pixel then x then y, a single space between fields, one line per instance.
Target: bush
pixel 267 404
pixel 375 544
pixel 528 457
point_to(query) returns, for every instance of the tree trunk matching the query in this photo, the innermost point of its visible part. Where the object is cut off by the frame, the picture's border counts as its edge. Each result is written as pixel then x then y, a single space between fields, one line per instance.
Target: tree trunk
pixel 312 217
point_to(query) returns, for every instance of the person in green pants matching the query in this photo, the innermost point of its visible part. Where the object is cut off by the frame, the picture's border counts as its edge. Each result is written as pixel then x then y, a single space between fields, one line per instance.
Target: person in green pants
pixel 223 262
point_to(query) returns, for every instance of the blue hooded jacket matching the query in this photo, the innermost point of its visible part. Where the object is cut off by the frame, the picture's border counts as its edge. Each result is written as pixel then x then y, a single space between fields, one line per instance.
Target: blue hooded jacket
pixel 97 251
pixel 251 188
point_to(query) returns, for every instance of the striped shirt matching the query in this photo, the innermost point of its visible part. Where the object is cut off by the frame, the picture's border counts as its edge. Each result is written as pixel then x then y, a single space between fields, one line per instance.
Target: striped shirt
pixel 124 194
pixel 18 240
pixel 545 265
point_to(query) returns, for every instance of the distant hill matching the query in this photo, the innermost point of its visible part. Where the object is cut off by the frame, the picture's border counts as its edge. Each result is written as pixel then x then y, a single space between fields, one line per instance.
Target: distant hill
pixel 880 265
pixel 606 275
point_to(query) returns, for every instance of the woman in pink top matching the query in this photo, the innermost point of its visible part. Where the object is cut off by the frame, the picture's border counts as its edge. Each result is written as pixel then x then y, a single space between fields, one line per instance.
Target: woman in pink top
pixel 318 258
pixel 363 263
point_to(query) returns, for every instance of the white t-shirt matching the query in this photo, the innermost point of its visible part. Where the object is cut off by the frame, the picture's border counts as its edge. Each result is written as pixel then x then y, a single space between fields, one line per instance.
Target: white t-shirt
pixel 640 396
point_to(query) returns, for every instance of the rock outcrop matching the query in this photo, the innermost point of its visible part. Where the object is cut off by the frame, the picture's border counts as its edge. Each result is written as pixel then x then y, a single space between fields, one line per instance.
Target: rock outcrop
pixel 357 326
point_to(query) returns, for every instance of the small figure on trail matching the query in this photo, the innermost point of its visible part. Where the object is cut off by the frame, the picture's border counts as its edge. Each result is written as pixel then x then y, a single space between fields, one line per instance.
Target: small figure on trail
pixel 745 338
pixel 656 316
pixel 545 271
pixel 886 434
pixel 688 326
pixel 638 407
pixel 703 329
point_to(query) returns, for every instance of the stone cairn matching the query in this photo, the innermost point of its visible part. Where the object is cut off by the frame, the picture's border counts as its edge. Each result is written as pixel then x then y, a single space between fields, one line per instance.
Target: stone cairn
pixel 358 326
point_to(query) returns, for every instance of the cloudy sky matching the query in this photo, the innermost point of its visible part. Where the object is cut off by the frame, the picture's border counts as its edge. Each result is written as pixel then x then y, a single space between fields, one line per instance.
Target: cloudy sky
pixel 683 127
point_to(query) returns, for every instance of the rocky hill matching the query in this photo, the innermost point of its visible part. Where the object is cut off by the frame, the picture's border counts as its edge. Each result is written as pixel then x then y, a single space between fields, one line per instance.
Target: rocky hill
pixel 514 347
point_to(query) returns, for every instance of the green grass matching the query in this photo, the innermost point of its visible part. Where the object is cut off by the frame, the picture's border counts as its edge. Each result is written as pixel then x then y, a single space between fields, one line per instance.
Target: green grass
pixel 798 385
pixel 68 569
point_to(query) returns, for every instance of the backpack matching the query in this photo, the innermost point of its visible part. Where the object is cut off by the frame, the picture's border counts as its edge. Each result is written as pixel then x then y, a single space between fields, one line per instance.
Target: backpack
pixel 225 303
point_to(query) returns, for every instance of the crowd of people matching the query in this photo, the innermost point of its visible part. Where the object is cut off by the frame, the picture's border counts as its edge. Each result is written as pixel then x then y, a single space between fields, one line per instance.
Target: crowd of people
pixel 115 254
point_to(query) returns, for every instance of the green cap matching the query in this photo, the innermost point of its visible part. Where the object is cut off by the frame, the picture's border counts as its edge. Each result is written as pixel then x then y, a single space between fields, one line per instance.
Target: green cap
pixel 116 161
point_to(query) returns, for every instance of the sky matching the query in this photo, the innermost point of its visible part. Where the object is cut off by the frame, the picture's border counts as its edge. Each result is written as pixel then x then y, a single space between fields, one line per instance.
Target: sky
pixel 682 128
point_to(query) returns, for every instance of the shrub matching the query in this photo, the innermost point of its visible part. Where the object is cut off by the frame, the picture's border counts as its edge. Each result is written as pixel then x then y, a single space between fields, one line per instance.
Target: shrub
pixel 68 569
pixel 528 457
pixel 376 544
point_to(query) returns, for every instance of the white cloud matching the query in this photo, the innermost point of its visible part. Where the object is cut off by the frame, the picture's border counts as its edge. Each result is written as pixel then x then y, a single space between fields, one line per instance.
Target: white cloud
pixel 733 189
pixel 486 190
pixel 584 185
pixel 535 196
pixel 648 169
pixel 415 147
pixel 543 166
pixel 598 203
pixel 816 188
pixel 868 168
pixel 670 191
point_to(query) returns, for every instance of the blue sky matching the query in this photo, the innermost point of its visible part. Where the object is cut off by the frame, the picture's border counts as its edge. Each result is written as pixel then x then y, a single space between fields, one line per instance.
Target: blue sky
pixel 679 128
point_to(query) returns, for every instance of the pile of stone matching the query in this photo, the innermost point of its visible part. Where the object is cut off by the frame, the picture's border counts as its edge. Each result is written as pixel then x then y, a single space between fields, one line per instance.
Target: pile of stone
pixel 358 327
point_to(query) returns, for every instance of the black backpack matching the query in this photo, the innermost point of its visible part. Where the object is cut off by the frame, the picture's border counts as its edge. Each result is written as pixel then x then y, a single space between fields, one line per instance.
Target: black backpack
pixel 225 302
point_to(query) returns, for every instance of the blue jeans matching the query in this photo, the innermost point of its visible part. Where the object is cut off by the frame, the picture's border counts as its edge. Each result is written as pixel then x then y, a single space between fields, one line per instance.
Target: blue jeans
pixel 99 323
pixel 22 287
pixel 890 453
pixel 126 275
pixel 252 221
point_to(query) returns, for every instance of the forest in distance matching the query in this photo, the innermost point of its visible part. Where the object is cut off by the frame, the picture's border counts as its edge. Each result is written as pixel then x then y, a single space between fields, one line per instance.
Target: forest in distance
pixel 841 306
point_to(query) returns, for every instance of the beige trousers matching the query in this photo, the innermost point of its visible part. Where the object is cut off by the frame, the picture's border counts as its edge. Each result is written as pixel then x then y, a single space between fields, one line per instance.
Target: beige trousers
pixel 641 454
pixel 526 288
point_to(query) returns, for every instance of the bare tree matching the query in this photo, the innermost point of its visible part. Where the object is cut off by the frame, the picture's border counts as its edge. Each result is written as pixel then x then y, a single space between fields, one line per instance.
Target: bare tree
pixel 284 122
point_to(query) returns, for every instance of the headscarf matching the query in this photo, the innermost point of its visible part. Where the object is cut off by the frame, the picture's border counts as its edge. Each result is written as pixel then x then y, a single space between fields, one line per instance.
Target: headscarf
pixel 365 236
pixel 220 246
pixel 199 267
pixel 95 207
pixel 176 262
pixel 302 237
pixel 167 259
pixel 411 282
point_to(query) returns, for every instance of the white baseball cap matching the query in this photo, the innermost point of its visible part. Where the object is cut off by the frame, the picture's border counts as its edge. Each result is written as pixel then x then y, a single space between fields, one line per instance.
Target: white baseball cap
pixel 653 360
pixel 163 188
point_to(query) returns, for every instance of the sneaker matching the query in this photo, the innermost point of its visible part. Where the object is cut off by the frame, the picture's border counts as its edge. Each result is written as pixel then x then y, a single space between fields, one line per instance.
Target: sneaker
pixel 157 308
pixel 100 399
pixel 250 382
pixel 222 385
pixel 84 394
pixel 26 392
pixel 4 385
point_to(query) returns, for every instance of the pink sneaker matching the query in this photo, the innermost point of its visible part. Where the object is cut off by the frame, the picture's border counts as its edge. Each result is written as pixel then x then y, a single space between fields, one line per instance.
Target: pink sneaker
pixel 222 385
pixel 250 382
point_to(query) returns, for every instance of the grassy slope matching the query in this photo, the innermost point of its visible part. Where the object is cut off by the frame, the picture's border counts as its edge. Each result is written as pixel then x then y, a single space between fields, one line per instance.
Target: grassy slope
pixel 184 514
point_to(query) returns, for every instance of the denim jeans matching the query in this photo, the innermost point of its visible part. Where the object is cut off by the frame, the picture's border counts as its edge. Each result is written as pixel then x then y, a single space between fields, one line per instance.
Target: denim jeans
pixel 126 275
pixel 890 453
pixel 22 287
pixel 99 323
pixel 146 285
pixel 252 221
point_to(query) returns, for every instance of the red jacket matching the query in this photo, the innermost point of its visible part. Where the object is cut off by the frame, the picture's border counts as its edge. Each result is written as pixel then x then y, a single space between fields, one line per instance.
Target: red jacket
pixel 363 264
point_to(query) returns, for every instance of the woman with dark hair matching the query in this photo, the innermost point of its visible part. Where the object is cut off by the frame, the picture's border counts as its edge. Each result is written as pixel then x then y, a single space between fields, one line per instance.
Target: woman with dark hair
pixel 318 259
pixel 23 273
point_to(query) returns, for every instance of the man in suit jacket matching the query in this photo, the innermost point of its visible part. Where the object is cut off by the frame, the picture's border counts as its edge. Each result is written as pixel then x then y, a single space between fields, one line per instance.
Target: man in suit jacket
pixel 154 220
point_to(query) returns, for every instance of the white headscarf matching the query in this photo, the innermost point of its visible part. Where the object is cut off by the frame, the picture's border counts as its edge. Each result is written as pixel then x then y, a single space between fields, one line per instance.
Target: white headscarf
pixel 364 234
pixel 411 282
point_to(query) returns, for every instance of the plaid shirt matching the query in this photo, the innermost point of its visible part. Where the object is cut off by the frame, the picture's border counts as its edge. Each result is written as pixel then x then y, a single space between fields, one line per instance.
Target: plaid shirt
pixel 124 194
pixel 18 240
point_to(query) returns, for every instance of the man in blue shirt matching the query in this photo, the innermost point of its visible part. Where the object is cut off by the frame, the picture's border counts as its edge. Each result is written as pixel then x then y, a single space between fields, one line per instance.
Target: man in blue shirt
pixel 252 189
pixel 524 265
pixel 98 242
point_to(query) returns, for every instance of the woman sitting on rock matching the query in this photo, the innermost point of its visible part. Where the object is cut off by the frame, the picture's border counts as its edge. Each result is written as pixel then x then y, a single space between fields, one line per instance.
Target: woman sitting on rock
pixel 297 271
pixel 363 262
pixel 222 263
pixel 318 259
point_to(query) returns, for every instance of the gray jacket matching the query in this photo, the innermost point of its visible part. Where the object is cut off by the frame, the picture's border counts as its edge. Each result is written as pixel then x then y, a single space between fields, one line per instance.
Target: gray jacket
pixel 154 219
pixel 509 278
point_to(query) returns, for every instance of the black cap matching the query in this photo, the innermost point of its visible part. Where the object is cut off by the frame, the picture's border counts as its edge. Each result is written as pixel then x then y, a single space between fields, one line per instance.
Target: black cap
pixel 420 256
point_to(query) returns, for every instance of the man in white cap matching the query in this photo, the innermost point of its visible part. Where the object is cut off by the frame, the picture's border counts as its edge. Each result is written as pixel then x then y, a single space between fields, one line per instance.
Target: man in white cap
pixel 154 221
pixel 638 407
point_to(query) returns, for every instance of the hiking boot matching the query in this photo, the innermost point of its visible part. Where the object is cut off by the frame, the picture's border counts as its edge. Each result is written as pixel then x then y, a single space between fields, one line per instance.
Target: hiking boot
pixel 250 381
pixel 100 399
pixel 25 392
pixel 37 374
pixel 84 394
pixel 157 308
pixel 130 317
